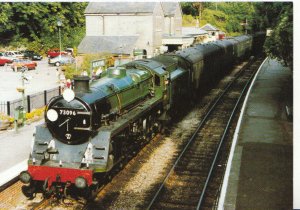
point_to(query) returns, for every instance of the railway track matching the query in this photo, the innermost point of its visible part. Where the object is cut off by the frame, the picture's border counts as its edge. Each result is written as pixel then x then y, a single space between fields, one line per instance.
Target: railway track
pixel 187 185
pixel 136 185
pixel 181 176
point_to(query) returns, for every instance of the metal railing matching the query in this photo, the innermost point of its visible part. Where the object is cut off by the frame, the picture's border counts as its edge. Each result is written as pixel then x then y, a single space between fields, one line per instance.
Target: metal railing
pixel 31 102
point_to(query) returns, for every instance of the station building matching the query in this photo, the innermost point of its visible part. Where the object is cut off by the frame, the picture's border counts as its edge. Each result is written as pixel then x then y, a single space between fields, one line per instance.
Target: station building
pixel 145 29
pixel 124 27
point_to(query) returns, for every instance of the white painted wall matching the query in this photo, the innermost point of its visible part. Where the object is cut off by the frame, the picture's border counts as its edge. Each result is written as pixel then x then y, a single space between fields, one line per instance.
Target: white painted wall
pixel 178 21
pixel 94 25
pixel 158 26
pixel 150 28
pixel 173 25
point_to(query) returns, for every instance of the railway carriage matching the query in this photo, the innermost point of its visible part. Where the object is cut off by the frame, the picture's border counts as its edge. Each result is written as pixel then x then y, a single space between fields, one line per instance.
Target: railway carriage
pixel 93 128
pixel 243 46
pixel 227 58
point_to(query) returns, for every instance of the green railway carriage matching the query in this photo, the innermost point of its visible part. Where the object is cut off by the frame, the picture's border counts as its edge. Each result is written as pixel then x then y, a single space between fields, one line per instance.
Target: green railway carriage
pixel 227 57
pixel 195 59
pixel 242 46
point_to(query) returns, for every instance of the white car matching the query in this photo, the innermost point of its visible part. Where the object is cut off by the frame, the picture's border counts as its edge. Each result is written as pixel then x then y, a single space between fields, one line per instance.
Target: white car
pixel 14 54
pixel 61 60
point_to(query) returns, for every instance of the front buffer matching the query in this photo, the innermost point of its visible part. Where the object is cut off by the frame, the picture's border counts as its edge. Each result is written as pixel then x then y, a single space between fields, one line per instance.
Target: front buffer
pixel 61 169
pixel 57 181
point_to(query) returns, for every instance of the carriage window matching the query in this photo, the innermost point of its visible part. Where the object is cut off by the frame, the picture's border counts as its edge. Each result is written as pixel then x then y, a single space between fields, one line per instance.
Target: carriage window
pixel 157 80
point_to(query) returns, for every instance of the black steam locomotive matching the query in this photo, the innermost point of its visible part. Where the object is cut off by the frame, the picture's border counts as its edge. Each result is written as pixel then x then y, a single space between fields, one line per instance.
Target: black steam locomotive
pixel 90 129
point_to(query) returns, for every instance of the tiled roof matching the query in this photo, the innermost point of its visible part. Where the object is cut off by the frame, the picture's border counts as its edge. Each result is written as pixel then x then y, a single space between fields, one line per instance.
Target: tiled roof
pixel 169 8
pixel 119 7
pixel 209 27
pixel 112 44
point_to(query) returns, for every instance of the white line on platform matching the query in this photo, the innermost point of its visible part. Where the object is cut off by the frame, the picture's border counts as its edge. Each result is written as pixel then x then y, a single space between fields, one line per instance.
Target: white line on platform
pixel 234 141
pixel 12 172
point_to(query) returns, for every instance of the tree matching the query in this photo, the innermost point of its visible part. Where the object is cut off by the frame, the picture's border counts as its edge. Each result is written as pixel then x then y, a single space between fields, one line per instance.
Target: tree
pixel 227 16
pixel 280 44
pixel 199 7
pixel 33 24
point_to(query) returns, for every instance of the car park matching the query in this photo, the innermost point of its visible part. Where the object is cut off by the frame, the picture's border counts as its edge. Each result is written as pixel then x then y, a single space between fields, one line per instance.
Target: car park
pixel 61 60
pixel 29 54
pixel 19 64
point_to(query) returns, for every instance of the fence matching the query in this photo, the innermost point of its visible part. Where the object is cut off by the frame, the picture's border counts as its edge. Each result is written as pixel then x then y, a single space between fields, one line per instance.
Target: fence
pixel 33 101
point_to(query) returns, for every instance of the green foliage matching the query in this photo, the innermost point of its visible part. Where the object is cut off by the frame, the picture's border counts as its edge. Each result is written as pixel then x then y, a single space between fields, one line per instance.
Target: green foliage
pixel 280 44
pixel 267 14
pixel 227 16
pixel 189 9
pixel 83 64
pixel 188 20
pixel 34 24
pixel 70 71
pixel 216 18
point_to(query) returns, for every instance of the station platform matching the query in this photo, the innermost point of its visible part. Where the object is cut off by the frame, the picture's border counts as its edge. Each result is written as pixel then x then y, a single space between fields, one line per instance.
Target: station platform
pixel 15 149
pixel 259 172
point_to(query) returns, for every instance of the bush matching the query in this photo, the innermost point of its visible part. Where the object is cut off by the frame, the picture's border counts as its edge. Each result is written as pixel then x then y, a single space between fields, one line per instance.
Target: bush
pixel 83 63
pixel 6 118
pixel 35 114
pixel 188 20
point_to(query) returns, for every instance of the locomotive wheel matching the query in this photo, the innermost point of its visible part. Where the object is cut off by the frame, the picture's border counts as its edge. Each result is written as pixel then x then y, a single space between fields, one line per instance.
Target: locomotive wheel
pixel 28 191
pixel 92 192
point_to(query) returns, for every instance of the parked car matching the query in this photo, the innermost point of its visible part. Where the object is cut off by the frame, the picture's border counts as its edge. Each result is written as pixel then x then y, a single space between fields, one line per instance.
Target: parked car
pixel 3 61
pixel 69 51
pixel 18 64
pixel 55 52
pixel 29 54
pixel 4 56
pixel 14 54
pixel 61 60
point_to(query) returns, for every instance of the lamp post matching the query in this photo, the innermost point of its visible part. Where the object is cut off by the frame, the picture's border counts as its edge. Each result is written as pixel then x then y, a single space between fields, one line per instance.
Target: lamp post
pixel 59 24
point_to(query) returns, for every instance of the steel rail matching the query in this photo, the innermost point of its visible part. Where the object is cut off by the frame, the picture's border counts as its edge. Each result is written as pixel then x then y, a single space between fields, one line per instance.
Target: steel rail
pixel 235 109
pixel 211 108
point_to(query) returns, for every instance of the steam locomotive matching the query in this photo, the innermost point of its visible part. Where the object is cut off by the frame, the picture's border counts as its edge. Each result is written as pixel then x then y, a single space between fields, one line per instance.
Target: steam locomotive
pixel 90 129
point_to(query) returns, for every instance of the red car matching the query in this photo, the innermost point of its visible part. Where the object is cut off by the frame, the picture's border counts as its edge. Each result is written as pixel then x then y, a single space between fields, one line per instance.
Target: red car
pixel 18 64
pixel 3 61
pixel 55 52
pixel 7 58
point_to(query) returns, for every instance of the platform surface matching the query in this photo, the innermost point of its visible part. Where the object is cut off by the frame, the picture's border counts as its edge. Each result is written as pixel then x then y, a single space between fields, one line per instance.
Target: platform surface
pixel 261 174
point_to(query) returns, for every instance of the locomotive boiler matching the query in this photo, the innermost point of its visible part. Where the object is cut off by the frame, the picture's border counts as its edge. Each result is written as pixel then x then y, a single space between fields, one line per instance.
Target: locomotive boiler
pixel 90 129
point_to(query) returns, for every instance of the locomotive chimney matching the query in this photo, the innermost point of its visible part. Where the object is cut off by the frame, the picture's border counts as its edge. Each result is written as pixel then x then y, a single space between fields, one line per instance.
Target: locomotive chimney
pixel 81 83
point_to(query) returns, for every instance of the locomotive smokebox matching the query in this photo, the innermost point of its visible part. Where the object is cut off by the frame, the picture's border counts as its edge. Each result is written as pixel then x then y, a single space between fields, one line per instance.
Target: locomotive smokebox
pixel 81 83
